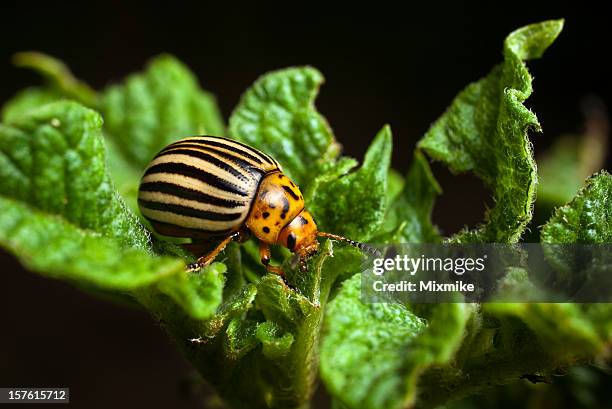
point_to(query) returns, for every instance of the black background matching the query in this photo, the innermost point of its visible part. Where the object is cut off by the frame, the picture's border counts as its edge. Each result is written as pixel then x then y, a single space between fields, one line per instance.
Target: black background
pixel 382 65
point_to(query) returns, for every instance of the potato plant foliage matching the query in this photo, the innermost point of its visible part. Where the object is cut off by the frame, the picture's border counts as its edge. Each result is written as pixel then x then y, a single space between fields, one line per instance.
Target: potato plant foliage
pixel 70 161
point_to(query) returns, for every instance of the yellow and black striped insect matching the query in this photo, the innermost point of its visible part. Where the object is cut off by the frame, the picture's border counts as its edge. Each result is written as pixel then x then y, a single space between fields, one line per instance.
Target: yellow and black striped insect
pixel 215 190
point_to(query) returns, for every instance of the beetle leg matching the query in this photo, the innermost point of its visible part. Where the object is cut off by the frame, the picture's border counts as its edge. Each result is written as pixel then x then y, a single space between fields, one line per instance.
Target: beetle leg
pixel 264 253
pixel 208 258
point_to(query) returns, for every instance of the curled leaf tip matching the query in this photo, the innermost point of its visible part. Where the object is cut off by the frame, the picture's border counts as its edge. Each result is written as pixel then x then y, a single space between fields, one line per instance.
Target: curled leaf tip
pixel 530 42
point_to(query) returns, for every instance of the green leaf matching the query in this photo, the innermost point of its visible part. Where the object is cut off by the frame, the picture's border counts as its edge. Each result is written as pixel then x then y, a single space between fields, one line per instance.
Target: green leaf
pixel 274 345
pixel 559 172
pixel 62 217
pixel 260 349
pixel 54 160
pixel 573 158
pixel 396 344
pixel 408 219
pixel 519 339
pixel 142 115
pixel 26 100
pixel 199 294
pixel 395 186
pixel 277 115
pixel 587 218
pixel 50 245
pixel 59 77
pixel 354 205
pixel 356 333
pixel 234 305
pixel 507 342
pixel 125 175
pixel 485 131
pixel 562 330
pixel 152 109
pixel 254 337
pixel 327 174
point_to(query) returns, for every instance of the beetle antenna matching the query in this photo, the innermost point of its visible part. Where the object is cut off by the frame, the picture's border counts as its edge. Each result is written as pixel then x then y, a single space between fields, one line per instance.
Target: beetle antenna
pixel 361 246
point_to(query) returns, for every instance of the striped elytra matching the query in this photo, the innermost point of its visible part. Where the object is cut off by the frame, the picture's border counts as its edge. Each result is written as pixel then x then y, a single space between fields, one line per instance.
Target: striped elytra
pixel 202 186
pixel 210 188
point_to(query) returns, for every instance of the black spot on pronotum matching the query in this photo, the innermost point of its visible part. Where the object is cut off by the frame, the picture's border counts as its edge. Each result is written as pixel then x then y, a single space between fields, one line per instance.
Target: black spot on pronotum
pixel 285 205
pixel 291 239
pixel 265 215
pixel 266 229
pixel 283 215
pixel 291 192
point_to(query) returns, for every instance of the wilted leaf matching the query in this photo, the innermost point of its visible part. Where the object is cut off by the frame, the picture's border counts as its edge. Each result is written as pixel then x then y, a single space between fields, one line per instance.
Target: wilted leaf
pixel 485 131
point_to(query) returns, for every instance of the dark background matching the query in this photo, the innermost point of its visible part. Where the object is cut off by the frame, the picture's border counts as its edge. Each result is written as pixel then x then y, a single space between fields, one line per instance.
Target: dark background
pixel 400 67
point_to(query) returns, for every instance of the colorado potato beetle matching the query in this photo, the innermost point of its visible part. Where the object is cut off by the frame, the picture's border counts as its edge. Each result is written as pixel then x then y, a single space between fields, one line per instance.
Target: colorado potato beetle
pixel 213 189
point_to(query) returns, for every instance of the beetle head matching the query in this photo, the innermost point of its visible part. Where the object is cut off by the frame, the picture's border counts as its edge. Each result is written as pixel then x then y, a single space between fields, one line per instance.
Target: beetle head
pixel 300 236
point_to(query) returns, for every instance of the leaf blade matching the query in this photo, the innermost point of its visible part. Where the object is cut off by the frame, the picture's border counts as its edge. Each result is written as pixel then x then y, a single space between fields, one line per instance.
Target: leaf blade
pixel 62 217
pixel 374 333
pixel 485 131
pixel 151 109
pixel 354 204
pixel 277 115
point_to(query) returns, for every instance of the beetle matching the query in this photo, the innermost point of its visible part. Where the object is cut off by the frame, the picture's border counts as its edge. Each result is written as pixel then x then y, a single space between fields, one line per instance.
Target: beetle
pixel 213 189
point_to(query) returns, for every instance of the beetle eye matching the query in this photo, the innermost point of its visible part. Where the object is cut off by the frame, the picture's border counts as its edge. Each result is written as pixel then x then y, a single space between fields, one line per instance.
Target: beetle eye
pixel 291 240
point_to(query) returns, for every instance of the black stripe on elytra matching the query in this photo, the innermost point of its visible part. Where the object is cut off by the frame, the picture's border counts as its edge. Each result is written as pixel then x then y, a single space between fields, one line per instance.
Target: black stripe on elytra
pixel 220 144
pixel 188 194
pixel 249 167
pixel 291 192
pixel 208 158
pixel 188 211
pixel 266 157
pixel 254 170
pixel 196 173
